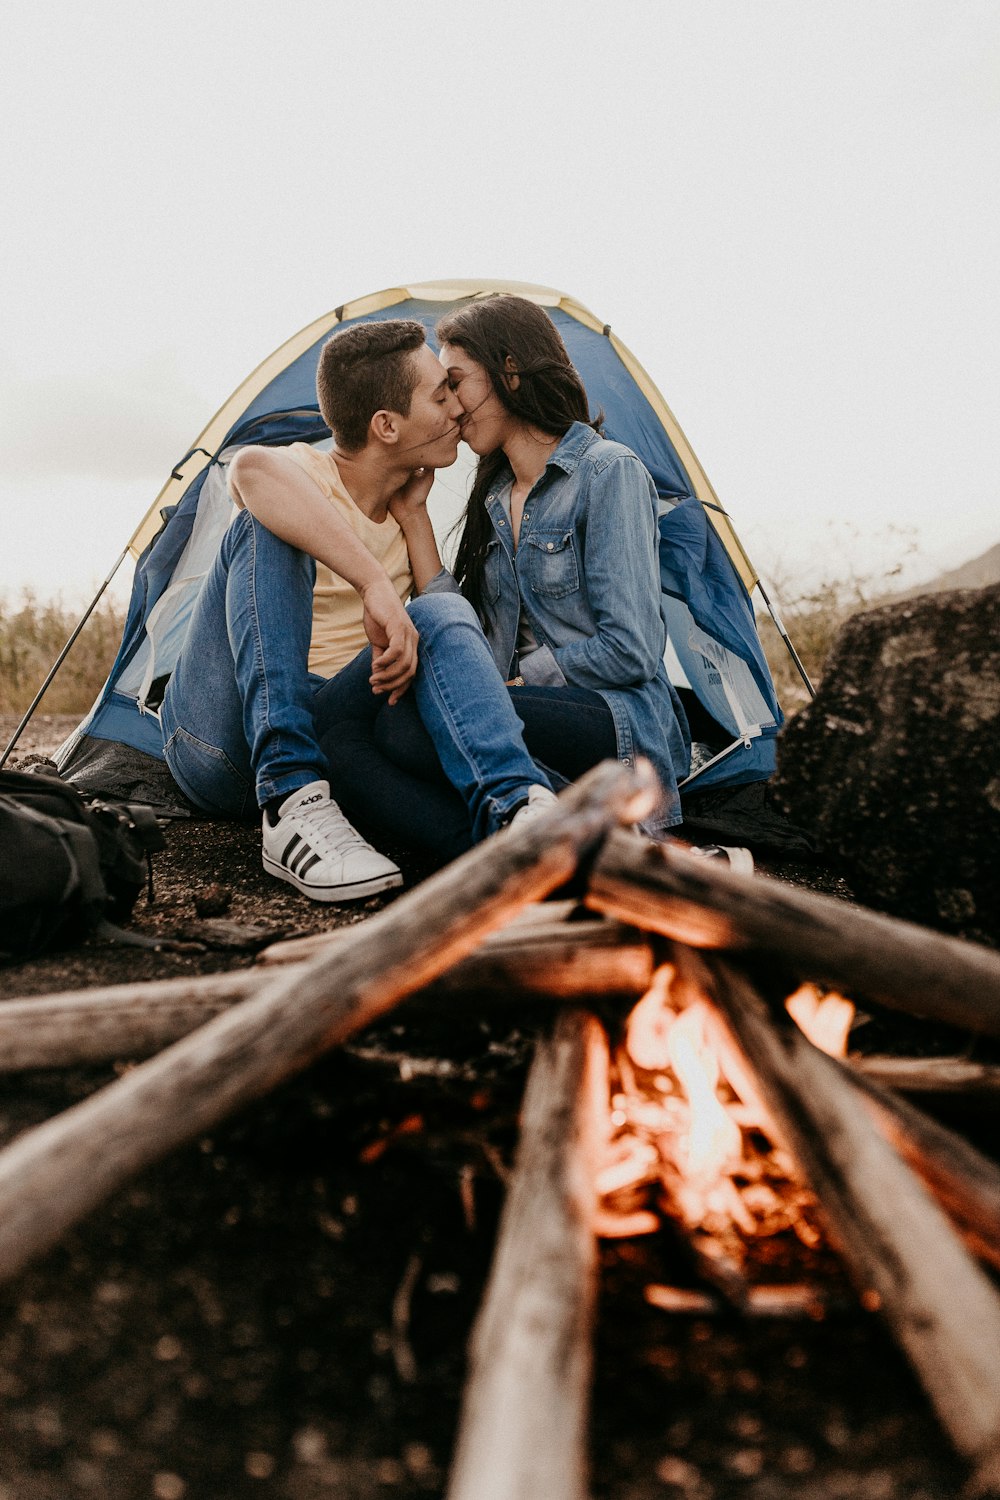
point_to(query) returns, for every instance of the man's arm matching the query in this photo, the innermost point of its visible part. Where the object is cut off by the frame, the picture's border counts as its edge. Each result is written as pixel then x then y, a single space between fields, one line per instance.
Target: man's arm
pixel 280 494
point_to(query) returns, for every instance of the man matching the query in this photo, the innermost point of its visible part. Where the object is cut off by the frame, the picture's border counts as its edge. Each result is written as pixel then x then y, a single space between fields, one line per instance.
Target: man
pixel 312 566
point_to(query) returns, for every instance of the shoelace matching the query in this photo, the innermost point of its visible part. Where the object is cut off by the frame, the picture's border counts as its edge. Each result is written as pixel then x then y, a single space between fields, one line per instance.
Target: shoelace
pixel 327 831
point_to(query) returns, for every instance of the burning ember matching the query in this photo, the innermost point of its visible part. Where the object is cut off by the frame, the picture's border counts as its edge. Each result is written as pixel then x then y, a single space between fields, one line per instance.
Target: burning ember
pixel 689 1137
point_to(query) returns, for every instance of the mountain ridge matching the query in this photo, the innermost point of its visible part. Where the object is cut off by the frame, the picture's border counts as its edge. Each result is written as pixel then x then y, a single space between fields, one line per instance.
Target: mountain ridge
pixel 978 573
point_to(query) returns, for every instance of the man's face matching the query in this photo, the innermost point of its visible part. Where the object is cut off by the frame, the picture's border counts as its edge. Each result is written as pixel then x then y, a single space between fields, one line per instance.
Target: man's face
pixel 428 436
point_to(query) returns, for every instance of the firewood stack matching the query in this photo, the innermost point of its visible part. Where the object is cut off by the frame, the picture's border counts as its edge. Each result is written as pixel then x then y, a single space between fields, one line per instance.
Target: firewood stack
pixel 911 1208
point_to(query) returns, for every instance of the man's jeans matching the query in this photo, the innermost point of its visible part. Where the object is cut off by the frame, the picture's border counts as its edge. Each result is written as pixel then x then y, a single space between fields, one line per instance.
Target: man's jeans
pixel 242 716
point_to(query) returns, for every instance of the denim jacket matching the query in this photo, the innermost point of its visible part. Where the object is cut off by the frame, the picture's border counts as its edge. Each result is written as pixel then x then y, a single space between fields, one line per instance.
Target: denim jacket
pixel 587 571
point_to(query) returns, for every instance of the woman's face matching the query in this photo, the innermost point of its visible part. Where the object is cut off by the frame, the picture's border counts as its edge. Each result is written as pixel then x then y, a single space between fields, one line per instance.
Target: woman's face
pixel 486 424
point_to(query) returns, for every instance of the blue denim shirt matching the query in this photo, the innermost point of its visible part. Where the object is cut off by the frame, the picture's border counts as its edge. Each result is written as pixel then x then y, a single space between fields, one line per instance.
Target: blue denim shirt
pixel 586 570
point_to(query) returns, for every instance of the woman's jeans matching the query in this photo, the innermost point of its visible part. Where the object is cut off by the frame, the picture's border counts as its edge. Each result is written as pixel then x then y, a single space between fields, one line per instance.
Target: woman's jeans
pixel 243 717
pixel 390 781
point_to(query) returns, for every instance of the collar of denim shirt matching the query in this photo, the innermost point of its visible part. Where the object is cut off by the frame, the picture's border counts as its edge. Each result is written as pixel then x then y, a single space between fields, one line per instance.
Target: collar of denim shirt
pixel 566 456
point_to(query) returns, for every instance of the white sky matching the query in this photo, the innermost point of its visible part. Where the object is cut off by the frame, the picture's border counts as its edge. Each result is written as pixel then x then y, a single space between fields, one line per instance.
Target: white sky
pixel 786 208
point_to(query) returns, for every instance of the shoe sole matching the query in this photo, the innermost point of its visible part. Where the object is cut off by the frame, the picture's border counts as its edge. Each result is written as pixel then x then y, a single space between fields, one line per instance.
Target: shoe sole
pixel 351 892
pixel 737 859
pixel 741 860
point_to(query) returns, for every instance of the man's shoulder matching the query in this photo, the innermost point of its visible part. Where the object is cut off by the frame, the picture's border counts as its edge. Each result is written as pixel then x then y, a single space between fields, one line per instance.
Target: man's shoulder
pixel 313 459
pixel 319 465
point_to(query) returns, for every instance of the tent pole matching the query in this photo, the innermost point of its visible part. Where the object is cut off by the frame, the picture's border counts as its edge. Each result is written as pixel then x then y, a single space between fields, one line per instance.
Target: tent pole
pixel 60 659
pixel 779 623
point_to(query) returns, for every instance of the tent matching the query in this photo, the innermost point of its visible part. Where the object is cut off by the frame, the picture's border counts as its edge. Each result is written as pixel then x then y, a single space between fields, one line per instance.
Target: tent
pixel 714 653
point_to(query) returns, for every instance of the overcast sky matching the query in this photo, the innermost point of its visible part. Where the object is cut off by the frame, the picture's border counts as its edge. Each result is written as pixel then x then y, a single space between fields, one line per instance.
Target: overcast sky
pixel 786 208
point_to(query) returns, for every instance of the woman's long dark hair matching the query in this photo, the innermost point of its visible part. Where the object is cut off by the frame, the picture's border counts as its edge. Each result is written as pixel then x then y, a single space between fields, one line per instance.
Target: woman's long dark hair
pixel 549 395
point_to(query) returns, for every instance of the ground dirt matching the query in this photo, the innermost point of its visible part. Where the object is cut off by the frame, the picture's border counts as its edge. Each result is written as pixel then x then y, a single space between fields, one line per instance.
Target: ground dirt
pixel 281 1310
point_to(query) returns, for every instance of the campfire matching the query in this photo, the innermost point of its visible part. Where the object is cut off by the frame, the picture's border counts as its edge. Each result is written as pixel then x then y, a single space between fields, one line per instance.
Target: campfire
pixel 694 1084
pixel 690 1142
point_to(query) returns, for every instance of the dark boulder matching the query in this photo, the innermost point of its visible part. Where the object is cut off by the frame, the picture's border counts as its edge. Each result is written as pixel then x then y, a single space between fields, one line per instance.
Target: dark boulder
pixel 895 766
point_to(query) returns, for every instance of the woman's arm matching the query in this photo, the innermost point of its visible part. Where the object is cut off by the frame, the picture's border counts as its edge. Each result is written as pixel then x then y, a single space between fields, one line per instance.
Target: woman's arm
pixel 408 508
pixel 621 579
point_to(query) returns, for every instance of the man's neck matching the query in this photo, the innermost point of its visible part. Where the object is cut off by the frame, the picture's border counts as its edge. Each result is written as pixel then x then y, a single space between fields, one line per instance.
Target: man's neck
pixel 369 480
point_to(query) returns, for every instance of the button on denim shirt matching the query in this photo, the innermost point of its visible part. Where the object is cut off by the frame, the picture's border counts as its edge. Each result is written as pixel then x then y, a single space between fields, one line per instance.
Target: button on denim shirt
pixel 587 571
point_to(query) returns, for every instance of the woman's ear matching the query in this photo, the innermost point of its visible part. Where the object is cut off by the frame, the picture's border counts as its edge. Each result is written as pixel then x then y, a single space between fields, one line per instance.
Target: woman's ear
pixel 512 378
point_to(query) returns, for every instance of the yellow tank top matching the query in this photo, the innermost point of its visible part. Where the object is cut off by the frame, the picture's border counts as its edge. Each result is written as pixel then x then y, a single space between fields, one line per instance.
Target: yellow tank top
pixel 338 634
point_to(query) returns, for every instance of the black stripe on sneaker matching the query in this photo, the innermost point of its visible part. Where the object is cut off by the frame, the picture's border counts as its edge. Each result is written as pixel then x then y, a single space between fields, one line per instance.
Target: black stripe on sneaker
pixel 299 858
pixel 293 843
pixel 303 870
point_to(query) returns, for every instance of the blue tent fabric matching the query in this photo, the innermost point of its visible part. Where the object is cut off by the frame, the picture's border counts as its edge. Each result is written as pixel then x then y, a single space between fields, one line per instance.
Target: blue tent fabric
pixel 694 567
pixel 629 418
pixel 699 580
pixel 701 586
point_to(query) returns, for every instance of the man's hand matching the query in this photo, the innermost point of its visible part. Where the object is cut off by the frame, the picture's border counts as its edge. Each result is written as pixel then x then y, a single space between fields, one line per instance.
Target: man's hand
pixel 411 497
pixel 394 639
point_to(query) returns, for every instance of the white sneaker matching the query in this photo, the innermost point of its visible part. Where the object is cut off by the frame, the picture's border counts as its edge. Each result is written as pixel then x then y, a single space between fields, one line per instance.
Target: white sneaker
pixel 314 848
pixel 736 857
pixel 540 801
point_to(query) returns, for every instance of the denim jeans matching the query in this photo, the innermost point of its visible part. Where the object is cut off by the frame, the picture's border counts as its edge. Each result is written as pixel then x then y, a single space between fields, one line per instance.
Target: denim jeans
pixel 389 779
pixel 243 717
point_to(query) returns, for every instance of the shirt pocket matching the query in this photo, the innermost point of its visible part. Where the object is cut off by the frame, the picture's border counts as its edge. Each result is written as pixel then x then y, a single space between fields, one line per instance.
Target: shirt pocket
pixel 551 563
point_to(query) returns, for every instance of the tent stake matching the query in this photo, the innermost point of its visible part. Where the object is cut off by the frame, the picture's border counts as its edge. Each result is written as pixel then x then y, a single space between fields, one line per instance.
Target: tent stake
pixel 60 659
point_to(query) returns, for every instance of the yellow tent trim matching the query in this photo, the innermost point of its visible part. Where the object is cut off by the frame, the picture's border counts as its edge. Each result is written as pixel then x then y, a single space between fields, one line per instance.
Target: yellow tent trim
pixel 434 291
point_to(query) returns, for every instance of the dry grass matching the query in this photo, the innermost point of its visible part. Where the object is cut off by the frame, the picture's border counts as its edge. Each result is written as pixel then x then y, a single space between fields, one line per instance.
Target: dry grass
pixel 33 632
pixel 814 613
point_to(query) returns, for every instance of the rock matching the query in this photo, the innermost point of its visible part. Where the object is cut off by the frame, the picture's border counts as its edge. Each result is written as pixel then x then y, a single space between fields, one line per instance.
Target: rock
pixel 240 937
pixel 213 900
pixel 895 766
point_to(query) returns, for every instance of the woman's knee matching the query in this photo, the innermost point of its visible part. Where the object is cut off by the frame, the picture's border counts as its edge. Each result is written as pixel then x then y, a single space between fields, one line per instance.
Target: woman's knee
pixel 432 613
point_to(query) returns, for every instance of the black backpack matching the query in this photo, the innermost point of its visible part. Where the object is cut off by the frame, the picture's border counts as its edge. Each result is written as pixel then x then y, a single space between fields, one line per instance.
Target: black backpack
pixel 68 867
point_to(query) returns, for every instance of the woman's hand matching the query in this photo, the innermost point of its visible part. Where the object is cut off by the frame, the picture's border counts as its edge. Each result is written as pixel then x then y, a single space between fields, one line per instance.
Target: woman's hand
pixel 408 508
pixel 410 500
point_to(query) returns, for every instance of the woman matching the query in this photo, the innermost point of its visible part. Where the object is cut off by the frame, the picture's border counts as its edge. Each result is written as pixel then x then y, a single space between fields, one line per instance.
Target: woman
pixel 558 557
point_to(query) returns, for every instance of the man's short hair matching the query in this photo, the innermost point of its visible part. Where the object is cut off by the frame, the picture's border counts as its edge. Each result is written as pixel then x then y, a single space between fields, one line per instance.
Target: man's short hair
pixel 363 370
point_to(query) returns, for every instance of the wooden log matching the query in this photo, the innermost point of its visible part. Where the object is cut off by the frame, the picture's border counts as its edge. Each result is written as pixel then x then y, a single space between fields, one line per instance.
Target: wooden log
pixel 900 1250
pixel 556 960
pixel 964 1181
pixel 535 914
pixel 553 957
pixel 932 1075
pixel 523 1429
pixel 53 1175
pixel 902 966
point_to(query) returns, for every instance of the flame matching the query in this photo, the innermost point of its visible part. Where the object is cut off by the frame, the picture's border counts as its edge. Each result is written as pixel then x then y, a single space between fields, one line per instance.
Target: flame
pixel 648 1028
pixel 714 1140
pixel 826 1019
pixel 687 1130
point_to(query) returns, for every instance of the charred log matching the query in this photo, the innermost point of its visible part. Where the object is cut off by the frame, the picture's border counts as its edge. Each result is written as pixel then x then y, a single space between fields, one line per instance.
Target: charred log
pixel 903 1255
pixel 524 1416
pixel 53 1175
pixel 902 966
pixel 557 960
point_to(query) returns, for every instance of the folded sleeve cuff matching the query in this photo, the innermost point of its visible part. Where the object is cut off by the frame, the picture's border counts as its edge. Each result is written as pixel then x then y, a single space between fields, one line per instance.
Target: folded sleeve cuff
pixel 540 669
pixel 442 583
